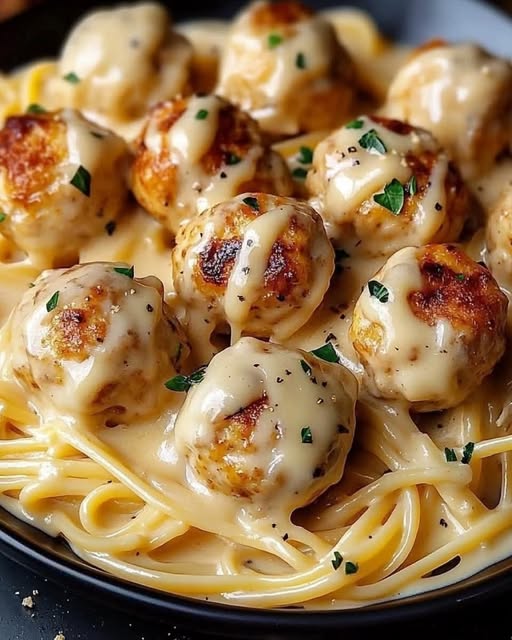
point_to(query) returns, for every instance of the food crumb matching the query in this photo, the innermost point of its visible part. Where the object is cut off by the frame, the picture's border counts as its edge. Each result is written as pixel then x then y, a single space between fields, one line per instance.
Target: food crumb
pixel 28 602
pixel 35 592
pixel 60 636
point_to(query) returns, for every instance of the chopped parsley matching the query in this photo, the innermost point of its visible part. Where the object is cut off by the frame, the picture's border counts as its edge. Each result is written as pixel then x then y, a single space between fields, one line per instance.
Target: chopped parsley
pixel 232 158
pixel 306 435
pixel 52 302
pixel 71 77
pixel 338 559
pixel 300 61
pixel 355 124
pixel 125 271
pixel 3 216
pixel 351 567
pixel 412 186
pixel 305 155
pixel 183 383
pixel 252 202
pixel 35 108
pixel 202 114
pixel 300 173
pixel 371 141
pixel 305 367
pixel 82 181
pixel 378 290
pixel 274 40
pixel 110 227
pixel 327 352
pixel 467 453
pixel 450 455
pixel 393 197
pixel 460 277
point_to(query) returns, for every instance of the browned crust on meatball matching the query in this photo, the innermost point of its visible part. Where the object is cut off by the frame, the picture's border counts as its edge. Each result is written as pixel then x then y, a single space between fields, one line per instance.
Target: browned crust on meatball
pixel 31 146
pixel 277 14
pixel 237 132
pixel 288 263
pixel 458 289
pixel 75 330
pixel 236 434
pixel 397 126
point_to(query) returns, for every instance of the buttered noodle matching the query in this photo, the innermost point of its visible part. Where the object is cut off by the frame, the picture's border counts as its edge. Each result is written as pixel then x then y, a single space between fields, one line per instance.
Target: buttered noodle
pixel 121 495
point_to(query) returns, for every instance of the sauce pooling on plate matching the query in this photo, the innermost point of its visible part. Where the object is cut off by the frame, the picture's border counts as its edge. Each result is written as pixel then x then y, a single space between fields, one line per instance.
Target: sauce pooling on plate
pixel 254 279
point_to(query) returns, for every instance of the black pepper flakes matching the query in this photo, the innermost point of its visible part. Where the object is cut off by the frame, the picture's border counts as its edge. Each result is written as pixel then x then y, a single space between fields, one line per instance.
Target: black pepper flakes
pixel 438 206
pixel 241 298
pixel 149 308
pixel 443 523
pixel 279 380
pixel 288 373
pixel 285 537
pixel 223 175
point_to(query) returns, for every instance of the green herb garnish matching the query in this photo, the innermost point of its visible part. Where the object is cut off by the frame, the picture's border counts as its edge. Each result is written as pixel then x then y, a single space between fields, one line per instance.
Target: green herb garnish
pixel 300 173
pixel 327 352
pixel 305 155
pixel 52 302
pixel 232 158
pixel 252 202
pixel 450 455
pixel 125 271
pixel 351 567
pixel 183 383
pixel 305 367
pixel 202 114
pixel 378 290
pixel 35 108
pixel 300 61
pixel 355 124
pixel 371 141
pixel 82 181
pixel 338 559
pixel 393 197
pixel 412 186
pixel 274 40
pixel 3 216
pixel 71 77
pixel 467 453
pixel 306 435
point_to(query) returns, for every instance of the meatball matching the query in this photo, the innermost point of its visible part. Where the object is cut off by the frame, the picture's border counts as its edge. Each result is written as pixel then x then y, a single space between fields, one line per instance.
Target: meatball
pixel 62 179
pixel 196 152
pixel 429 327
pixel 93 339
pixel 243 433
pixel 384 185
pixel 116 63
pixel 284 65
pixel 258 262
pixel 463 95
pixel 499 238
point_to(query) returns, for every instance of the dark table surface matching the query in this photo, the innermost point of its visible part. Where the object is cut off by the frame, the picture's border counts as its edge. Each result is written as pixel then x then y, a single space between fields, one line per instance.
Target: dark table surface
pixel 58 610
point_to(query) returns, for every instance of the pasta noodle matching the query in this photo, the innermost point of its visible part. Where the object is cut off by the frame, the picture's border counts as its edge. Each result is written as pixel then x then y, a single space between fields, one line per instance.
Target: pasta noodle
pixel 285 515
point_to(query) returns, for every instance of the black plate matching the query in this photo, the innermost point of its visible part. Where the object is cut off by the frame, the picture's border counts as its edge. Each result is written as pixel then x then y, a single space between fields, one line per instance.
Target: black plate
pixel 40 32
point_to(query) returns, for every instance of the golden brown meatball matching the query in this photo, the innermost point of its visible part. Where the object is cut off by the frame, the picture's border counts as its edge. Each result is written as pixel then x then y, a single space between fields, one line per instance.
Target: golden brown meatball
pixel 195 152
pixel 116 63
pixel 95 340
pixel 429 327
pixel 62 179
pixel 384 185
pixel 499 238
pixel 243 433
pixel 284 65
pixel 259 263
pixel 463 95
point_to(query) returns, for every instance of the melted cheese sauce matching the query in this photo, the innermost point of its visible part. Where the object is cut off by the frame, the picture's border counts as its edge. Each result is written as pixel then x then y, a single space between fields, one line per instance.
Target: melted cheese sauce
pixel 128 497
